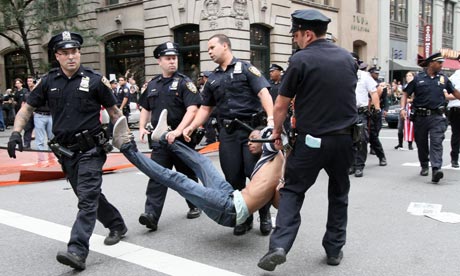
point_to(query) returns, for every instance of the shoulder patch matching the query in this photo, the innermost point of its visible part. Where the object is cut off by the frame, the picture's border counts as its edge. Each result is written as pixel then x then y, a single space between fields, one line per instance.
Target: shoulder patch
pixel 191 87
pixel 106 82
pixel 255 71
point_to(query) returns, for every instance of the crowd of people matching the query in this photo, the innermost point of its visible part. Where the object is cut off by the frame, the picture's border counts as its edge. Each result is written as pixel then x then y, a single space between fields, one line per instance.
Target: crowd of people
pixel 279 134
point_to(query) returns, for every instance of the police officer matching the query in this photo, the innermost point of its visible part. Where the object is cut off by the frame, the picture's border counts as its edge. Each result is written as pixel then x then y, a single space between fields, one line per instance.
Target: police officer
pixel 122 96
pixel 428 113
pixel 75 94
pixel 454 119
pixel 175 92
pixel 275 79
pixel 365 88
pixel 239 91
pixel 322 78
pixel 376 118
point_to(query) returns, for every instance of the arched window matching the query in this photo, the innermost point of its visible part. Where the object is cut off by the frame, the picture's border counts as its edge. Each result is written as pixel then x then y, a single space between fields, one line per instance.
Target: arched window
pixel 260 48
pixel 123 53
pixel 188 38
pixel 15 67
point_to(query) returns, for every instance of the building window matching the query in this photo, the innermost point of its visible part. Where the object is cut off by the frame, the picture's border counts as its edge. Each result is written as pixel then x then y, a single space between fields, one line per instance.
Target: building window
pixel 425 12
pixel 398 10
pixel 15 67
pixel 188 38
pixel 260 48
pixel 359 6
pixel 123 53
pixel 112 2
pixel 448 20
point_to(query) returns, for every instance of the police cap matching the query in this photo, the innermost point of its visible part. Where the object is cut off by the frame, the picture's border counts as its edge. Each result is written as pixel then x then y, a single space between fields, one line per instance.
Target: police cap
pixel 166 49
pixel 65 40
pixel 113 81
pixel 305 19
pixel 374 69
pixel 275 67
pixel 434 57
pixel 363 66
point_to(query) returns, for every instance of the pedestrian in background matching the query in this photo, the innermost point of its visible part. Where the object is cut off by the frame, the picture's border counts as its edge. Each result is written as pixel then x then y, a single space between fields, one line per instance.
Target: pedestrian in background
pixel 406 127
pixel 238 91
pixel 454 119
pixel 427 113
pixel 322 78
pixel 375 121
pixel 75 94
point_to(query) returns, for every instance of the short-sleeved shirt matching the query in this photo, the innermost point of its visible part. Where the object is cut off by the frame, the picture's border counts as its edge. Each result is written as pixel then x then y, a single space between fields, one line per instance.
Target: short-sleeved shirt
pixel 235 91
pixel 455 79
pixel 75 102
pixel 323 79
pixel 174 94
pixel 274 89
pixel 366 85
pixel 429 91
pixel 122 93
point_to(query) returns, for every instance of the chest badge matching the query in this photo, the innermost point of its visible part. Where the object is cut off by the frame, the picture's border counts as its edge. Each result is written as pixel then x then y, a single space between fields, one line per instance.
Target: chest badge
pixel 84 84
pixel 174 85
pixel 442 80
pixel 237 69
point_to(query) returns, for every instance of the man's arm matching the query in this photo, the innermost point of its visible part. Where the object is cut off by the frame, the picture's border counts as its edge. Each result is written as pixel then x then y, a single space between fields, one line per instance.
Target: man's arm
pixel 114 113
pixel 267 104
pixel 23 117
pixel 375 99
pixel 124 102
pixel 144 119
pixel 456 93
pixel 279 115
pixel 186 120
pixel 201 116
pixel 403 102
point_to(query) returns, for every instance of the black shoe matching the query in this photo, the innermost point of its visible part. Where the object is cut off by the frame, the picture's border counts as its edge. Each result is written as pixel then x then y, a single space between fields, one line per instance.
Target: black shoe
pixel 334 260
pixel 372 151
pixel 437 175
pixel 383 161
pixel 148 220
pixel 241 229
pixel 358 173
pixel 424 172
pixel 71 259
pixel 193 213
pixel 351 171
pixel 410 146
pixel 266 224
pixel 398 146
pixel 454 164
pixel 273 258
pixel 115 236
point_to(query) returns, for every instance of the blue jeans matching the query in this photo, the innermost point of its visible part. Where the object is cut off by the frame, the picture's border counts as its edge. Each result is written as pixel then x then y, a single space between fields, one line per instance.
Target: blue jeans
pixel 215 197
pixel 2 122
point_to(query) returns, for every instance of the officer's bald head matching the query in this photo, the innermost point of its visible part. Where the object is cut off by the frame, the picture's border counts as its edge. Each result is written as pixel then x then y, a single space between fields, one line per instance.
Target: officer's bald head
pixel 223 39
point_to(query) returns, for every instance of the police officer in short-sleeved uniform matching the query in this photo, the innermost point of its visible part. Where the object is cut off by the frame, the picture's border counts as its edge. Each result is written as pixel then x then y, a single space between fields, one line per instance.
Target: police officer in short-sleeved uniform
pixel 74 95
pixel 275 79
pixel 428 113
pixel 123 95
pixel 322 78
pixel 175 92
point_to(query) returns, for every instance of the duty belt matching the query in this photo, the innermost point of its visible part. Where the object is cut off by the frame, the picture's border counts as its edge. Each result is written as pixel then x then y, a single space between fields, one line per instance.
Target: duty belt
pixel 423 112
pixel 43 113
pixel 363 109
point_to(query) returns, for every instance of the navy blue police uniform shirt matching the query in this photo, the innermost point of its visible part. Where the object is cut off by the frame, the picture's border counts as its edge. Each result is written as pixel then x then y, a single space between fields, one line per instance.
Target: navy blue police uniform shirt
pixel 121 94
pixel 429 92
pixel 323 80
pixel 75 102
pixel 174 94
pixel 235 90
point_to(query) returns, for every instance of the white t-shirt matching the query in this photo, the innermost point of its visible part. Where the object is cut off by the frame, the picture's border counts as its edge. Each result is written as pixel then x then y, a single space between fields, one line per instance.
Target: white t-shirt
pixel 366 85
pixel 455 79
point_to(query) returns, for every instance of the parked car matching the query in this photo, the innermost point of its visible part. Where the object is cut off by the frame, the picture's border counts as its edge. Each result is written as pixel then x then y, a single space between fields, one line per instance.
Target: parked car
pixel 133 116
pixel 393 115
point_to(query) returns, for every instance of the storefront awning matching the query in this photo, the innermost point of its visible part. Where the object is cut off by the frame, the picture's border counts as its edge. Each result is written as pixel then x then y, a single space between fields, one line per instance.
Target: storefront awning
pixel 451 64
pixel 402 64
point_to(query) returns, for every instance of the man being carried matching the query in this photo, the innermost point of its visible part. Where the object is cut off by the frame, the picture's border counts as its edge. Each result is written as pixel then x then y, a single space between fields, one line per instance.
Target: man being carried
pixel 217 198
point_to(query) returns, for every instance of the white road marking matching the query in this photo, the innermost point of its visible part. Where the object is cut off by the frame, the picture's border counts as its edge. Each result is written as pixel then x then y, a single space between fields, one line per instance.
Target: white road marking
pixel 146 257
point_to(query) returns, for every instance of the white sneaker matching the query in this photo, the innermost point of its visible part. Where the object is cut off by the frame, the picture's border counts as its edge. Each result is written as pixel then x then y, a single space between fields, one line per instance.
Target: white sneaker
pixel 162 126
pixel 121 133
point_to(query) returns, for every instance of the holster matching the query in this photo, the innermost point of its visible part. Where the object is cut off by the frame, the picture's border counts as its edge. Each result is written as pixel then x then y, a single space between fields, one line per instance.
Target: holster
pixel 59 150
pixel 357 133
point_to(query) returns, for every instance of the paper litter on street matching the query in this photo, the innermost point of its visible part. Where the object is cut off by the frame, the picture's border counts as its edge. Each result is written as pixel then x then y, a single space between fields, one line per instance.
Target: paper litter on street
pixel 445 217
pixel 422 208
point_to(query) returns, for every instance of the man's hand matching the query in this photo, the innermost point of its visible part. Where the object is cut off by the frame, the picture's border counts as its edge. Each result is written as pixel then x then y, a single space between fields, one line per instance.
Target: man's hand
pixel 142 133
pixel 187 133
pixel 15 139
pixel 172 135
pixel 403 114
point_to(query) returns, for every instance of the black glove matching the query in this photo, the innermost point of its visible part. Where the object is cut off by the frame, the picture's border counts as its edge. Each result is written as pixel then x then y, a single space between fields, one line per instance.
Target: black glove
pixel 15 139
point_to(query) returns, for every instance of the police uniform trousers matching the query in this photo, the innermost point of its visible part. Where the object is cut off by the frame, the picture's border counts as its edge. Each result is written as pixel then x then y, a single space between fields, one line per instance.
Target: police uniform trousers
pixel 454 118
pixel 360 152
pixel 156 192
pixel 374 131
pixel 303 165
pixel 84 171
pixel 432 127
pixel 237 162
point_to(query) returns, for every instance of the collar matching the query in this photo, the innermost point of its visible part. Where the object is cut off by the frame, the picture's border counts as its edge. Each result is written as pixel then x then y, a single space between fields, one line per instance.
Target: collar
pixel 80 72
pixel 232 63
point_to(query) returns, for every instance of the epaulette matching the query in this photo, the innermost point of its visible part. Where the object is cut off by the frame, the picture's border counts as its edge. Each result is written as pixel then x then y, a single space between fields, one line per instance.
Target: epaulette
pixel 155 77
pixel 182 75
pixel 92 71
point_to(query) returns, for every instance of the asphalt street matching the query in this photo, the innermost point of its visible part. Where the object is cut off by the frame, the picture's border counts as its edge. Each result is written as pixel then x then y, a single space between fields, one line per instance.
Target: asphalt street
pixel 383 238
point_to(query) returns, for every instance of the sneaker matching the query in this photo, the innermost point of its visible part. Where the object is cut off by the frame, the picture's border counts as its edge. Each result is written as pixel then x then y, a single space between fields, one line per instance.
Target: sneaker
pixel 358 173
pixel 454 164
pixel 424 171
pixel 193 213
pixel 71 259
pixel 121 132
pixel 398 146
pixel 273 258
pixel 410 146
pixel 162 126
pixel 383 161
pixel 115 236
pixel 334 260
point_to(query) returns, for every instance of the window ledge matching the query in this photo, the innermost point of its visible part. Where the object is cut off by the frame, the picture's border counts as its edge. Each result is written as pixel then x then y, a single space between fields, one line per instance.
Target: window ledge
pixel 118 6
